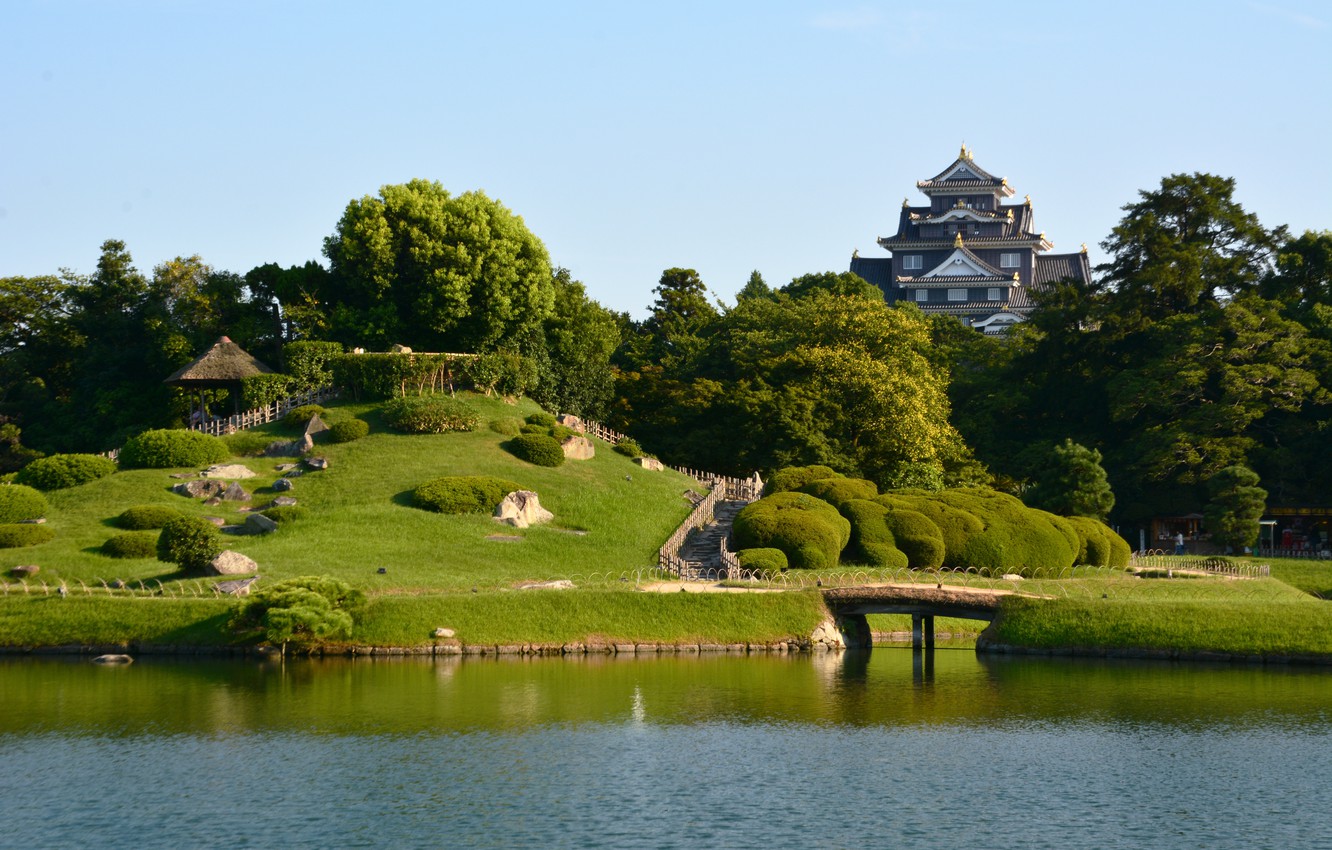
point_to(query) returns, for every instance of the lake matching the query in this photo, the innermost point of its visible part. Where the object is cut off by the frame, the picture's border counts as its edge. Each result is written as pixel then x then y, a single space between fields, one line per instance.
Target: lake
pixel 883 749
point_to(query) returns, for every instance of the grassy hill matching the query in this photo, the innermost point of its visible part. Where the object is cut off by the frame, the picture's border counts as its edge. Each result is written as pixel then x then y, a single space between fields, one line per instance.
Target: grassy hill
pixel 458 571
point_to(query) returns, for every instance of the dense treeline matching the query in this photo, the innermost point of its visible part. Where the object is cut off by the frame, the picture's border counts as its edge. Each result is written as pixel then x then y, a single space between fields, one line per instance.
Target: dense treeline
pixel 1203 345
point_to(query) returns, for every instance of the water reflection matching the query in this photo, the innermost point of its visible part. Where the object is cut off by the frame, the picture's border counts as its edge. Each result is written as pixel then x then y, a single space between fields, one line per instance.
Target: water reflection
pixel 887 687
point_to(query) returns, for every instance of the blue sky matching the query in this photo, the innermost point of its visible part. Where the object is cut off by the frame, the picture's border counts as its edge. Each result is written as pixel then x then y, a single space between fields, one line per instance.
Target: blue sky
pixel 722 136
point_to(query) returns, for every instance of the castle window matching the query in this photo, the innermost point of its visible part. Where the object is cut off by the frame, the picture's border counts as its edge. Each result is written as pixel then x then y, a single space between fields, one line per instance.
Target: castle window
pixel 992 294
pixel 1010 261
pixel 922 295
pixel 957 295
pixel 912 261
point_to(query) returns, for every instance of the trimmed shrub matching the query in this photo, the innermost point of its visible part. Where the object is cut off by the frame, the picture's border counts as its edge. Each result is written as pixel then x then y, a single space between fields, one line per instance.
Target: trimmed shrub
pixel 56 472
pixel 17 536
pixel 167 449
pixel 956 526
pixel 1120 550
pixel 795 477
pixel 299 417
pixel 1016 538
pixel 872 541
pixel 300 610
pixel 563 432
pixel 348 430
pixel 262 390
pixel 509 426
pixel 142 517
pixel 430 414
pixel 285 513
pixel 810 531
pixel 918 538
pixel 763 559
pixel 463 494
pixel 371 375
pixel 1071 538
pixel 189 541
pixel 629 447
pixel 838 491
pixel 539 449
pixel 529 428
pixel 1093 547
pixel 308 363
pixel 135 544
pixel 19 502
pixel 542 418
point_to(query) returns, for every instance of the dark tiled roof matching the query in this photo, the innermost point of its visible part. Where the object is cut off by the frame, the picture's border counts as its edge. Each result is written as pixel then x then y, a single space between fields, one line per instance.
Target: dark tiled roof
pixel 953 281
pixel 986 178
pixel 875 270
pixel 1055 267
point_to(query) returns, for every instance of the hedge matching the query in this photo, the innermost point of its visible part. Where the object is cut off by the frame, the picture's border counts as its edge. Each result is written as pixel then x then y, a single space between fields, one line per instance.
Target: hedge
pixel 141 517
pixel 509 426
pixel 810 531
pixel 839 491
pixel 956 526
pixel 56 472
pixel 16 536
pixel 166 449
pixel 348 430
pixel 190 541
pixel 463 494
pixel 1016 538
pixel 429 414
pixel 19 502
pixel 795 477
pixel 299 417
pixel 264 390
pixel 308 363
pixel 872 541
pixel 918 538
pixel 133 544
pixel 539 449
pixel 629 447
pixel 762 560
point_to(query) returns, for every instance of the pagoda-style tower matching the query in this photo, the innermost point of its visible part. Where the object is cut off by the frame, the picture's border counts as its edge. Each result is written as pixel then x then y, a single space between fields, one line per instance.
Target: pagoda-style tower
pixel 968 254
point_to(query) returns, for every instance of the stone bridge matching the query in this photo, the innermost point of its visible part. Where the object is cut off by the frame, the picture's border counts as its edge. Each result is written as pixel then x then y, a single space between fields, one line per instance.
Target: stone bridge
pixel 849 605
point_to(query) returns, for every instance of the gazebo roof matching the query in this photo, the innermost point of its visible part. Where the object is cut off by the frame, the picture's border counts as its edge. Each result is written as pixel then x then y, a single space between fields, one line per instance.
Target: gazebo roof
pixel 224 363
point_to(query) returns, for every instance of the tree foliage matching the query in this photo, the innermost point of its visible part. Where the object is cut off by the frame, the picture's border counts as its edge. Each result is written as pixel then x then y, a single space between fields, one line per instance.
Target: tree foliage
pixel 1236 505
pixel 1073 483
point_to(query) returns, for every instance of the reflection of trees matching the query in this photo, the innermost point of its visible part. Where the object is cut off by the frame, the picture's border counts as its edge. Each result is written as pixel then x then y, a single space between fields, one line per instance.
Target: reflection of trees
pixel 421 696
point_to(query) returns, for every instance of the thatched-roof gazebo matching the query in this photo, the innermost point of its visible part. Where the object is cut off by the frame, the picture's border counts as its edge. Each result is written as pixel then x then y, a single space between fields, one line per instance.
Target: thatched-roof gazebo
pixel 223 366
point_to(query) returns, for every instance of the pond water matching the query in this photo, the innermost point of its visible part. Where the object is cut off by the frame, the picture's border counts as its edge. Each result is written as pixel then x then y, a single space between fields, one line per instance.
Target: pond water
pixel 884 749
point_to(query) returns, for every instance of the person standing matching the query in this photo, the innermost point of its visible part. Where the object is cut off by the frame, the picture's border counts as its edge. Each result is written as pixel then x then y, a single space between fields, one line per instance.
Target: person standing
pixel 1179 543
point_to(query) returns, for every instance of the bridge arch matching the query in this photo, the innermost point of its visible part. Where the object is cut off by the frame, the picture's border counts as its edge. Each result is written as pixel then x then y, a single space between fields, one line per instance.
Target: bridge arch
pixel 850 605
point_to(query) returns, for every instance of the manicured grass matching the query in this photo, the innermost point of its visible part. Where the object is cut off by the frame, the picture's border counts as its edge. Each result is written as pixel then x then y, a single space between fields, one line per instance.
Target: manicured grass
pixel 555 617
pixel 36 620
pixel 610 515
pixel 1313 577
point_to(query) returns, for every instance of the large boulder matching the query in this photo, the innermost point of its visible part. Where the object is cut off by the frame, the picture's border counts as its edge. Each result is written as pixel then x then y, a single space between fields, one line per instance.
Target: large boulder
pixel 650 463
pixel 282 485
pixel 259 524
pixel 568 420
pixel 521 509
pixel 200 488
pixel 230 563
pixel 229 472
pixel 314 426
pixel 578 448
pixel 234 493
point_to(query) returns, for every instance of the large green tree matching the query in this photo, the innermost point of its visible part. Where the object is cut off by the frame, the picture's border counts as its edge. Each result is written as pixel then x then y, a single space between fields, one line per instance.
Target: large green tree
pixel 1072 483
pixel 418 266
pixel 579 338
pixel 1237 504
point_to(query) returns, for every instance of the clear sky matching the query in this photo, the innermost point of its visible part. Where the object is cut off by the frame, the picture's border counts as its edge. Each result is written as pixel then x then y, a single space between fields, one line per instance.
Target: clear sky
pixel 633 137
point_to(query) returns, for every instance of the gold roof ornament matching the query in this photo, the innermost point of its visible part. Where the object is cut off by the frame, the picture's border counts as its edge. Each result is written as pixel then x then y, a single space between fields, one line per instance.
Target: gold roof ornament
pixel 1015 276
pixel 957 241
pixel 1028 198
pixel 965 154
pixel 1010 213
pixel 855 253
pixel 906 202
pixel 1084 247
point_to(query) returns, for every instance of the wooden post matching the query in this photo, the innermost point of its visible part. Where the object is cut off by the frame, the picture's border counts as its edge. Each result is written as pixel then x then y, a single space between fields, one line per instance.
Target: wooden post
pixel 929 632
pixel 915 631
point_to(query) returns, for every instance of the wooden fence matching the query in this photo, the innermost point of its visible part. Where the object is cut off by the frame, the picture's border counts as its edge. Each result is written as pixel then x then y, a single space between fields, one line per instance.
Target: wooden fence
pixel 262 415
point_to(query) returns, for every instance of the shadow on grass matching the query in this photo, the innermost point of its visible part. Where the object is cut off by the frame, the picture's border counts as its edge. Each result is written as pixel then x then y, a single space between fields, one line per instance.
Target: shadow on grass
pixel 404 499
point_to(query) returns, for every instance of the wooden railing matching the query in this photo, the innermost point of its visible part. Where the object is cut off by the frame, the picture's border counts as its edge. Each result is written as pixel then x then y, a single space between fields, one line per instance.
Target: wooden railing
pixel 262 415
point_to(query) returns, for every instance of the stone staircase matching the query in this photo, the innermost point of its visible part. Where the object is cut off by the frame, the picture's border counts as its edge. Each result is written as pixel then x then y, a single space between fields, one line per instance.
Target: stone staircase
pixel 702 548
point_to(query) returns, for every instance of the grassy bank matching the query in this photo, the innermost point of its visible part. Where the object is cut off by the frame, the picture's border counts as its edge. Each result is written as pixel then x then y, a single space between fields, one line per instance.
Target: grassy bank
pixel 551 617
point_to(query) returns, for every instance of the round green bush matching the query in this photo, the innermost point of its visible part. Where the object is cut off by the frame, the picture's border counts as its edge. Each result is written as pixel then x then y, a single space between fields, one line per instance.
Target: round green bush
pixel 872 542
pixel 542 418
pixel 299 417
pixel 19 502
pixel 430 414
pixel 1016 539
pixel 1093 547
pixel 529 428
pixel 918 538
pixel 629 447
pixel 762 560
pixel 838 491
pixel 16 536
pixel 795 477
pixel 463 494
pixel 56 472
pixel 956 527
pixel 539 449
pixel 189 541
pixel 1120 550
pixel 134 544
pixel 285 513
pixel 563 432
pixel 509 426
pixel 348 430
pixel 142 517
pixel 810 531
pixel 166 449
